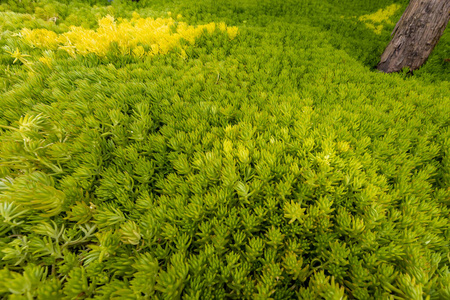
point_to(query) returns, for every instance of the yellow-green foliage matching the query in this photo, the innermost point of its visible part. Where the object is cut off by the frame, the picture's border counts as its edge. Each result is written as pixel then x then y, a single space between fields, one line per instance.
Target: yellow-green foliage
pixel 159 36
pixel 376 20
pixel 276 165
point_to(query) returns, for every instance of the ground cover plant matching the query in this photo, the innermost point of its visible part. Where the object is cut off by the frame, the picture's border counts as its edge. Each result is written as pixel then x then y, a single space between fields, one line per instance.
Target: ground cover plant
pixel 238 150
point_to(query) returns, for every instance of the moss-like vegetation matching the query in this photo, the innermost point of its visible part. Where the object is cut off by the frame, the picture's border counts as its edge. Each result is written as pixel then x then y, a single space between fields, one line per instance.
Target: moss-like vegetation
pixel 275 165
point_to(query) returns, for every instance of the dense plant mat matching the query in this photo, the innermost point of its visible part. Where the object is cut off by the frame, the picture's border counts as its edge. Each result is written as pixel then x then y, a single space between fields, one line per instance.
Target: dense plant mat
pixel 262 159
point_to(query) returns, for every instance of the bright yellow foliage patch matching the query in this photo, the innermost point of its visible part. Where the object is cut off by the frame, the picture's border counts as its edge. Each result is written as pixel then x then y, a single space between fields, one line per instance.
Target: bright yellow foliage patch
pixel 374 21
pixel 159 35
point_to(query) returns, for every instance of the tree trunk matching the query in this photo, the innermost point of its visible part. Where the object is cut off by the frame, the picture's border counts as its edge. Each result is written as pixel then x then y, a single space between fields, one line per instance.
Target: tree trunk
pixel 415 35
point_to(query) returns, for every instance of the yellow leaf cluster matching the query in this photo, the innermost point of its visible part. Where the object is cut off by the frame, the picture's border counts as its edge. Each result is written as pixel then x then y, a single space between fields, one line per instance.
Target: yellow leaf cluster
pixel 374 21
pixel 41 38
pixel 138 36
pixel 46 60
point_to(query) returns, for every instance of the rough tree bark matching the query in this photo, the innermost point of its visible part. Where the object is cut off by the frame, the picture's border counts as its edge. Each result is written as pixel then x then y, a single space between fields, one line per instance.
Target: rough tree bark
pixel 415 35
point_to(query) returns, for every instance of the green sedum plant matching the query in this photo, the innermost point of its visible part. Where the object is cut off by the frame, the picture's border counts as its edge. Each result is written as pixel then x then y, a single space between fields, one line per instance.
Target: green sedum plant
pixel 276 165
